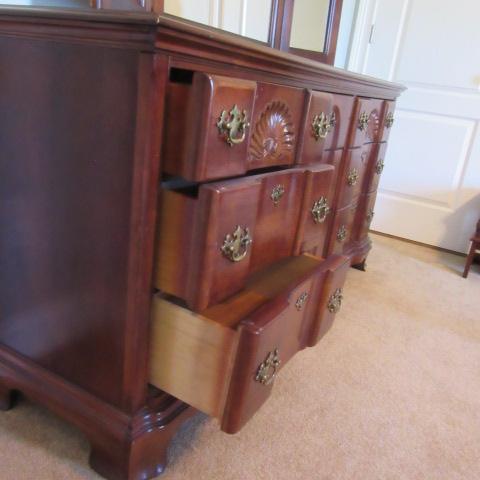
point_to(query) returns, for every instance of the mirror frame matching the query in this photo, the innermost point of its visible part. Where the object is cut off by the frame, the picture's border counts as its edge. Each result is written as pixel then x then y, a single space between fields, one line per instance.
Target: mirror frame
pixel 281 26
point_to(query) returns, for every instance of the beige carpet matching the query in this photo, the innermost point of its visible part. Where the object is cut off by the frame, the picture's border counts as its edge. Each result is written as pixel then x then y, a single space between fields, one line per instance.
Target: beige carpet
pixel 392 392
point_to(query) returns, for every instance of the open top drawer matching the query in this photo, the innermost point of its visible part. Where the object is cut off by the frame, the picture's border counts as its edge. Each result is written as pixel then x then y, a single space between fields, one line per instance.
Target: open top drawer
pixel 223 361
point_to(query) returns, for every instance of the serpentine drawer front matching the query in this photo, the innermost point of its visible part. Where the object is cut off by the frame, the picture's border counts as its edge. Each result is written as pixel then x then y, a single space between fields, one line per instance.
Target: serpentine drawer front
pixel 216 236
pixel 351 183
pixel 326 124
pixel 224 360
pixel 221 127
pixel 376 164
pixel 366 213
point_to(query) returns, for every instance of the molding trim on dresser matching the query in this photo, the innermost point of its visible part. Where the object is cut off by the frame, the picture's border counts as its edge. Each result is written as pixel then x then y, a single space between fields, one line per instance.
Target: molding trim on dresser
pixel 137 216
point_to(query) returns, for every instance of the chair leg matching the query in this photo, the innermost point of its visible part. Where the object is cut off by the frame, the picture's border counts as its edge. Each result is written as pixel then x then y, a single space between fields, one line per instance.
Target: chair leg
pixel 470 257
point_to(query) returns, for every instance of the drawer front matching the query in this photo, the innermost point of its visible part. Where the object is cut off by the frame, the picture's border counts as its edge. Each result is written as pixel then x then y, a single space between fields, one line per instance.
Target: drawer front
pixel 317 210
pixel 207 127
pixel 278 211
pixel 224 361
pixel 376 165
pixel 275 126
pixel 388 120
pixel 208 245
pixel 342 111
pixel 272 335
pixel 330 299
pixel 318 127
pixel 367 121
pixel 342 230
pixel 365 215
pixel 350 183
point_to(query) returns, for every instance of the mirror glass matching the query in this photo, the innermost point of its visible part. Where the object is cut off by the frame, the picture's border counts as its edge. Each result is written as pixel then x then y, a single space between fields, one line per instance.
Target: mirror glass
pixel 309 24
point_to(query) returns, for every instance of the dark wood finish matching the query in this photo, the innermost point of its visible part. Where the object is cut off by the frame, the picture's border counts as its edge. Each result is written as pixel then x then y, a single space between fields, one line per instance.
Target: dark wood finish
pixel 312 233
pixel 474 247
pixel 82 109
pixel 281 26
pixel 193 147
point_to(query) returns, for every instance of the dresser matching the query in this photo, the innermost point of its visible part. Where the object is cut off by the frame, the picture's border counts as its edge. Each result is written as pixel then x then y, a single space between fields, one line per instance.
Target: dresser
pixel 179 209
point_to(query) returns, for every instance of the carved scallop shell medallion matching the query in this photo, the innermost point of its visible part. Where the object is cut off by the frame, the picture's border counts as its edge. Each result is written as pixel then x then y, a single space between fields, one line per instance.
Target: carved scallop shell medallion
pixel 273 137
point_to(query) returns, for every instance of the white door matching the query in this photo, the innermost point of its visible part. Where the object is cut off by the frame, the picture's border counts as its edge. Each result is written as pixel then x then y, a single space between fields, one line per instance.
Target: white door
pixel 430 188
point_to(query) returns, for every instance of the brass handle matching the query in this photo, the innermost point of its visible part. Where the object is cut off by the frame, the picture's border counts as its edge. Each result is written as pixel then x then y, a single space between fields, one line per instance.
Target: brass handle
pixel 389 121
pixel 320 210
pixel 235 246
pixel 370 215
pixel 363 121
pixel 352 177
pixel 277 193
pixel 267 370
pixel 342 233
pixel 233 125
pixel 379 166
pixel 323 124
pixel 301 301
pixel 335 301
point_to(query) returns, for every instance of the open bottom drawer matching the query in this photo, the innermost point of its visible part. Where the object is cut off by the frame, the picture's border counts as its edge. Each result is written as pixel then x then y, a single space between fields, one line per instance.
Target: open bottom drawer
pixel 224 360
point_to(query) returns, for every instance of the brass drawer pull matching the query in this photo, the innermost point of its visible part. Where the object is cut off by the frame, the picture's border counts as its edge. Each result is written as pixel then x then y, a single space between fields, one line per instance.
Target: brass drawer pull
pixel 268 368
pixel 390 120
pixel 335 301
pixel 233 125
pixel 320 210
pixel 323 124
pixel 235 246
pixel 363 121
pixel 277 193
pixel 301 301
pixel 370 216
pixel 352 177
pixel 342 233
pixel 379 166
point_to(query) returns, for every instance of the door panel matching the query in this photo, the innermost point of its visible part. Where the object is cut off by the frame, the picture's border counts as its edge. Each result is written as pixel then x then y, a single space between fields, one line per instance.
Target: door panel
pixel 429 191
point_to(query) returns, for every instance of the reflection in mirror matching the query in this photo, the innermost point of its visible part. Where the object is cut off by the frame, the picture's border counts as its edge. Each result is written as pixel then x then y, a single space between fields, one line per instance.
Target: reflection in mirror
pixel 309 24
pixel 250 18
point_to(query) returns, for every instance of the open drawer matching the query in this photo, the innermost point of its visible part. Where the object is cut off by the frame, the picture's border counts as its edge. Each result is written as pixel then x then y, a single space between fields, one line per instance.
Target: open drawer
pixel 210 241
pixel 224 360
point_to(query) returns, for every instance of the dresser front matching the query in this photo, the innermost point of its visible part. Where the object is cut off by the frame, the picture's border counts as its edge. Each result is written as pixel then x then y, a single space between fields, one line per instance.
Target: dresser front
pixel 267 192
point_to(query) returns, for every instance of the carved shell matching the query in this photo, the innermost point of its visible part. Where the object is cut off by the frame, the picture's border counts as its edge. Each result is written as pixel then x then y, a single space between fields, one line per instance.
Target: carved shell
pixel 273 137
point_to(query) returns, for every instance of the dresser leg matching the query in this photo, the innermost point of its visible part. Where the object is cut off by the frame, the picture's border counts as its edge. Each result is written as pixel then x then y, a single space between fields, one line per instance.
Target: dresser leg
pixel 361 266
pixel 142 452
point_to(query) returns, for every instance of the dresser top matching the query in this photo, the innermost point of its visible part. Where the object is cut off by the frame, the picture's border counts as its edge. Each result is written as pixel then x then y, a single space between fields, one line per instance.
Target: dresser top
pixel 205 47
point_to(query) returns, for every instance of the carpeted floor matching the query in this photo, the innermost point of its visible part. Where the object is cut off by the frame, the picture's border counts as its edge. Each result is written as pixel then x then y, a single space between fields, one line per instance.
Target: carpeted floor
pixel 392 392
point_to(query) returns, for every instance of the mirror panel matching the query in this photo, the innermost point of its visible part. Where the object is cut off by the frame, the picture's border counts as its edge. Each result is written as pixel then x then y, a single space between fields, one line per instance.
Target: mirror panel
pixel 309 25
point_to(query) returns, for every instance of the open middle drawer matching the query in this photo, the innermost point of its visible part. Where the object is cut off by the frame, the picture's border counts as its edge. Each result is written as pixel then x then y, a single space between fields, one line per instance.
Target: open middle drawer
pixel 223 361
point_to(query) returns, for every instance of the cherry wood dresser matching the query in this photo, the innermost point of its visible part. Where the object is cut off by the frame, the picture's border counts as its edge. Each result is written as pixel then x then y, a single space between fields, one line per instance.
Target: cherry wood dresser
pixel 178 211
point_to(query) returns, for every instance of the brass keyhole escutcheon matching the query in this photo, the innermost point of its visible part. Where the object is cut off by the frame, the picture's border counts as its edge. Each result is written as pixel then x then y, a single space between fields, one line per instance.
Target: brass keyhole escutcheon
pixel 352 177
pixel 233 125
pixel 389 120
pixel 320 210
pixel 335 301
pixel 370 216
pixel 379 166
pixel 323 124
pixel 363 121
pixel 277 193
pixel 301 301
pixel 342 233
pixel 267 370
pixel 235 246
